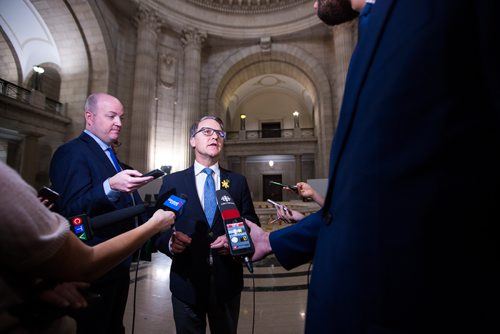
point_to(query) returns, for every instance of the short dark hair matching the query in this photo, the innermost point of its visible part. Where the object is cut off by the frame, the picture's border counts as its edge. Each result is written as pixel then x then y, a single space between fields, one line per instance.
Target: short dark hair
pixel 194 127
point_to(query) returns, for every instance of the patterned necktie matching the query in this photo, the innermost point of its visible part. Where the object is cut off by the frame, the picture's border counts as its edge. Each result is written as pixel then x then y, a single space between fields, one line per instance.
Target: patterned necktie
pixel 363 19
pixel 210 202
pixel 114 159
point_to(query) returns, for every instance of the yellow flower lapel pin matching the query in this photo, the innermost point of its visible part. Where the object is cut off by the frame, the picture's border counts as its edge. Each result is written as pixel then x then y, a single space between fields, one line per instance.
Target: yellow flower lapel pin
pixel 225 184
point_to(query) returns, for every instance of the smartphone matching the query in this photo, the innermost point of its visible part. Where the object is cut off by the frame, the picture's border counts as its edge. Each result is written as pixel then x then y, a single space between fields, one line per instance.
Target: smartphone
pixel 156 173
pixel 238 236
pixel 48 194
pixel 293 188
pixel 273 202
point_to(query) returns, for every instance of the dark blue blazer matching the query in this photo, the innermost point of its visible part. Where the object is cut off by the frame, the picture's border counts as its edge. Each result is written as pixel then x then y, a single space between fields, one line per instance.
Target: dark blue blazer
pixel 77 172
pixel 190 271
pixel 408 239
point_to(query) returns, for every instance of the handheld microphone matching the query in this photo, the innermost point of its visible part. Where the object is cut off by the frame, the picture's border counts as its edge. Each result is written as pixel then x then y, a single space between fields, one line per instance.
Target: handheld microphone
pixel 237 233
pixel 84 227
pixel 175 204
pixel 171 202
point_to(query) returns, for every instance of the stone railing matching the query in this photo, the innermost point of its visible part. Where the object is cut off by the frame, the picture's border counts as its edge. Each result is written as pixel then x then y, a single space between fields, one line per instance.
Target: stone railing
pixel 32 97
pixel 279 133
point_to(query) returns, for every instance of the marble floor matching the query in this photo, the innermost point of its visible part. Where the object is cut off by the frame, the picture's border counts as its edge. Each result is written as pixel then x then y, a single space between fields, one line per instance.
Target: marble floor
pixel 280 298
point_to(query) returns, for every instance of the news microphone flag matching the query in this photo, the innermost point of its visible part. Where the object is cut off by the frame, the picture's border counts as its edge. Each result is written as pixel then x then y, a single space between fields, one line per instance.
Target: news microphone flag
pixel 175 204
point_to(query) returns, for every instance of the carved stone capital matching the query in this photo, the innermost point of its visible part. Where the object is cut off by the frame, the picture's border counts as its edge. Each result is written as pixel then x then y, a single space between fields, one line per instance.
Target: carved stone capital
pixel 147 19
pixel 193 37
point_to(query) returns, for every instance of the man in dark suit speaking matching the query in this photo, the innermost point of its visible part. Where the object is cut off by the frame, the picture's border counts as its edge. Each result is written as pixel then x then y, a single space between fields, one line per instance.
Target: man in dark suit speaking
pixel 90 180
pixel 204 279
pixel 408 238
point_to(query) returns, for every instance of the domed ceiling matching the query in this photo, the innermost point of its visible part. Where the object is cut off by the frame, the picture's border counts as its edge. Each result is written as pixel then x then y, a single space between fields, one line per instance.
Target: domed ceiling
pixel 230 19
pixel 244 6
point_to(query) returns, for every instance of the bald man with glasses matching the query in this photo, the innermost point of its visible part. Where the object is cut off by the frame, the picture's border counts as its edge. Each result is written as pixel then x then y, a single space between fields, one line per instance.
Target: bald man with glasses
pixel 204 279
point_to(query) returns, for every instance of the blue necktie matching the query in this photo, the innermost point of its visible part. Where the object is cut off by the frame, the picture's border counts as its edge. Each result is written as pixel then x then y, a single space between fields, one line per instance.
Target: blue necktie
pixel 363 19
pixel 114 159
pixel 210 202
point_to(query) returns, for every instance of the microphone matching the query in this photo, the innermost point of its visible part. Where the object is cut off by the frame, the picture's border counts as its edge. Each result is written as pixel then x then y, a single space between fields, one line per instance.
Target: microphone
pixel 84 227
pixel 237 233
pixel 112 217
pixel 171 202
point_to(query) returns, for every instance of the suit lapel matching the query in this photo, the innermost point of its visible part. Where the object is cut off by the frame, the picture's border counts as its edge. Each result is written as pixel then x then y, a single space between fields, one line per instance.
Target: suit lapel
pixel 102 158
pixel 358 70
pixel 189 185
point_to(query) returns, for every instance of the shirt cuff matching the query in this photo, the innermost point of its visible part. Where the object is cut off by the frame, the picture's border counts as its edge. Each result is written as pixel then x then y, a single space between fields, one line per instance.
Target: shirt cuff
pixel 112 195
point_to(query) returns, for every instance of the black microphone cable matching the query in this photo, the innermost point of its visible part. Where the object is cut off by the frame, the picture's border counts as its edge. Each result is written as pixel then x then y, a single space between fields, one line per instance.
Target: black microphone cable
pixel 135 288
pixel 136 272
pixel 253 301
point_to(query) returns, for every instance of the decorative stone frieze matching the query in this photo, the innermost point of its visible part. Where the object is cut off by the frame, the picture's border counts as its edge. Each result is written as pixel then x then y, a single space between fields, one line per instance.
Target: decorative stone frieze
pixel 247 6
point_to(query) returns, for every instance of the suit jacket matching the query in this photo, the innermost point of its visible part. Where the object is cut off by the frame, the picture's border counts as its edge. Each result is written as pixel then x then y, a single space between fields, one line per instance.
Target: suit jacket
pixel 77 172
pixel 408 239
pixel 190 270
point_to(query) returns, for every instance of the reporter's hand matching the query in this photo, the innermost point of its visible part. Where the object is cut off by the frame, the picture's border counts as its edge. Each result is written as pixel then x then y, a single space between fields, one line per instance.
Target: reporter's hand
pixel 221 245
pixel 287 215
pixel 163 219
pixel 66 294
pixel 46 202
pixel 128 180
pixel 260 239
pixel 179 242
pixel 305 190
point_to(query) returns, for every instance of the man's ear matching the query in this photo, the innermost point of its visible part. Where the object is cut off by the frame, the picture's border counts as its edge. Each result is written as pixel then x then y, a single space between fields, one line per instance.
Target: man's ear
pixel 88 117
pixel 192 142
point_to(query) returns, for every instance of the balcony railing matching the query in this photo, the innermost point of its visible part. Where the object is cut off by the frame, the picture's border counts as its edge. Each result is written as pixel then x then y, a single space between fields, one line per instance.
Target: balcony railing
pixel 24 95
pixel 281 133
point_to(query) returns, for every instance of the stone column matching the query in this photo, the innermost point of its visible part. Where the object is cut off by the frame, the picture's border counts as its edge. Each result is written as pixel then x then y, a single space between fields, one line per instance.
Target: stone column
pixel 243 164
pixel 344 39
pixel 193 40
pixel 298 168
pixel 142 125
pixel 29 158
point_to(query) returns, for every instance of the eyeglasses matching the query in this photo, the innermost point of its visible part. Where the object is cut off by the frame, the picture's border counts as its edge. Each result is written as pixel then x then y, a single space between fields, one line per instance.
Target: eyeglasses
pixel 209 131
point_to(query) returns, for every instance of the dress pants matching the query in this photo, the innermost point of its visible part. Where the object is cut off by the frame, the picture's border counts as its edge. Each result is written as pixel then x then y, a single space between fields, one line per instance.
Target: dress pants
pixel 222 316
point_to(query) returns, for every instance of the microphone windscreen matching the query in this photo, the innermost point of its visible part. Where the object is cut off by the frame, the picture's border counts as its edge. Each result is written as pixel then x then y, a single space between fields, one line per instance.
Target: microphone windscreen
pixel 116 216
pixel 163 197
pixel 175 204
pixel 227 207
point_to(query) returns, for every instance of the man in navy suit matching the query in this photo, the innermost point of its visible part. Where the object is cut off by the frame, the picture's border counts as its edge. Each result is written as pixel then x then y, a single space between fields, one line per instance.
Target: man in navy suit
pixel 204 279
pixel 407 241
pixel 90 180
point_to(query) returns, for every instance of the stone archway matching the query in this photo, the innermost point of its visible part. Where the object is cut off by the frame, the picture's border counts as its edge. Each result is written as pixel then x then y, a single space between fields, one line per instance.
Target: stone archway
pixel 286 60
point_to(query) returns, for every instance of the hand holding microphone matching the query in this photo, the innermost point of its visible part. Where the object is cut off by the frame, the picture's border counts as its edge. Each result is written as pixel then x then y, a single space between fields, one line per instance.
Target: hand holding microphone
pixel 179 241
pixel 162 220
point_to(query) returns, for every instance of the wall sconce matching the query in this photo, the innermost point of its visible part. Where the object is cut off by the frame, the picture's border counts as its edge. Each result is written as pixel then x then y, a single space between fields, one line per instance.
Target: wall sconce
pixel 271 163
pixel 36 81
pixel 38 69
pixel 296 119
pixel 242 121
